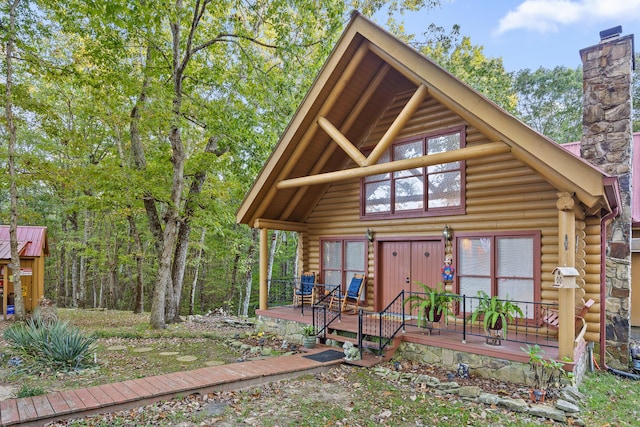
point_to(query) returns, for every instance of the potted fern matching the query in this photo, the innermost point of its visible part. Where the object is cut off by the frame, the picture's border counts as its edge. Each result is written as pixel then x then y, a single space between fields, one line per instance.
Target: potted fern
pixel 431 304
pixel 495 314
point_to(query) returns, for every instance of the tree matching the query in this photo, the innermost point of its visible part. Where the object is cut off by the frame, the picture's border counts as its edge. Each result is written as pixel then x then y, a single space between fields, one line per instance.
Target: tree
pixel 11 157
pixel 550 101
pixel 468 63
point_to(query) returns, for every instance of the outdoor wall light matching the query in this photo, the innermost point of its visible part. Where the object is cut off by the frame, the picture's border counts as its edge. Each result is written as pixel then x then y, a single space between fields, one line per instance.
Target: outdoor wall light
pixel 447 233
pixel 369 235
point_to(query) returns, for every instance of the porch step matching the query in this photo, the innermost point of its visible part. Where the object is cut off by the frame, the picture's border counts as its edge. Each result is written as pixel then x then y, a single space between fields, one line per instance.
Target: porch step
pixel 368 359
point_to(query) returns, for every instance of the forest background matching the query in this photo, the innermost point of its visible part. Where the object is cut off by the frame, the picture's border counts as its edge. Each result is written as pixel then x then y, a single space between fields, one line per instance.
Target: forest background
pixel 133 129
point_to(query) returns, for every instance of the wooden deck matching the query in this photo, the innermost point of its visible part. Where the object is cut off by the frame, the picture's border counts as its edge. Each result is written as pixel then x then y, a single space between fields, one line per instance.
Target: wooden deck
pixel 39 410
pixel 453 340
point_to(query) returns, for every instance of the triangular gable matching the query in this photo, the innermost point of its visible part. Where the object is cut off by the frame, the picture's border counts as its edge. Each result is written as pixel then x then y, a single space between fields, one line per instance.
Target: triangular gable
pixel 367 67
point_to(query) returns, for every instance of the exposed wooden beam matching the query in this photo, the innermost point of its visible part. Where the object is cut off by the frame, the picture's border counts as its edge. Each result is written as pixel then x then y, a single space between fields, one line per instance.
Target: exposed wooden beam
pixel 273 224
pixel 346 125
pixel 417 162
pixel 397 125
pixel 397 65
pixel 349 71
pixel 342 141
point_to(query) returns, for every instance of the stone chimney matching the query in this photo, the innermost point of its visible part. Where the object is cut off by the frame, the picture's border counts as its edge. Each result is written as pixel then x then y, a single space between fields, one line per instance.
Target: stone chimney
pixel 607 143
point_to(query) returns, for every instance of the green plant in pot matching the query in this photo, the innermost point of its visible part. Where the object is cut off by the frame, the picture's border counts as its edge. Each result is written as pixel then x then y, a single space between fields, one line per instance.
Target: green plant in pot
pixel 308 336
pixel 431 304
pixel 546 375
pixel 495 313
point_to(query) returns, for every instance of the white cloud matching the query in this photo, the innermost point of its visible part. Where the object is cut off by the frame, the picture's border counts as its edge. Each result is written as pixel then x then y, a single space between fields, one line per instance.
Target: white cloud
pixel 548 15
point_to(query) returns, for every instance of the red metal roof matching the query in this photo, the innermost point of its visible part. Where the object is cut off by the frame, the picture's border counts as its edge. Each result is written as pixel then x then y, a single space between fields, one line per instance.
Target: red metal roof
pixel 574 147
pixel 32 241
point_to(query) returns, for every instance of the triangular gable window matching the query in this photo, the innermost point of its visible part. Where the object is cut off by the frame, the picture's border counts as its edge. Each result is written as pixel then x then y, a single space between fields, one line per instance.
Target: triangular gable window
pixel 432 190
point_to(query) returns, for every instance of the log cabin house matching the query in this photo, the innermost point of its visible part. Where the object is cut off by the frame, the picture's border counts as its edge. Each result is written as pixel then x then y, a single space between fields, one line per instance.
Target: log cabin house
pixel 33 247
pixel 387 150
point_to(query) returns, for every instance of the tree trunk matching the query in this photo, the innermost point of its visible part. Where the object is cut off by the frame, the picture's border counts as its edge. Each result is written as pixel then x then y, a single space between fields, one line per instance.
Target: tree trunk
pixel 249 273
pixel 13 186
pixel 192 300
pixel 138 306
pixel 272 255
pixel 75 298
pixel 82 268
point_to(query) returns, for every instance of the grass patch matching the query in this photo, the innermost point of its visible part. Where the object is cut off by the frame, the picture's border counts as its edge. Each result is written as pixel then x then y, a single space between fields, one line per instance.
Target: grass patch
pixel 29 391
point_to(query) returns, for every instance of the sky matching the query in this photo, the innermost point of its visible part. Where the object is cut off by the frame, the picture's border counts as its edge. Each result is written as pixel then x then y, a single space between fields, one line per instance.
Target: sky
pixel 532 33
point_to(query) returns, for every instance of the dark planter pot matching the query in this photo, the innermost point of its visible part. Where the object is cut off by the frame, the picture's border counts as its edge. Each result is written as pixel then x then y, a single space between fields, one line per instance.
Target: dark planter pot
pixel 497 326
pixel 494 333
pixel 309 341
pixel 426 323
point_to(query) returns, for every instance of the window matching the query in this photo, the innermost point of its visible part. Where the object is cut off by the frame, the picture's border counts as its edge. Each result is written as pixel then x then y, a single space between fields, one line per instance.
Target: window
pixel 433 190
pixel 505 266
pixel 341 259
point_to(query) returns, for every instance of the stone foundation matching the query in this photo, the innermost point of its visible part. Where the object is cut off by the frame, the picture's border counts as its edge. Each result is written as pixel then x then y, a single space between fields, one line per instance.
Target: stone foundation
pixel 482 366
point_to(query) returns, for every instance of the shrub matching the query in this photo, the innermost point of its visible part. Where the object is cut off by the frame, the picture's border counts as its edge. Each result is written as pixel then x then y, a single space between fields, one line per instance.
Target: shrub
pixel 56 345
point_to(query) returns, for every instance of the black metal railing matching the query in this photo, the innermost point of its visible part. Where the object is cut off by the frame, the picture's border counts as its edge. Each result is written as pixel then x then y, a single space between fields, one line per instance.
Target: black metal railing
pixel 322 317
pixel 377 330
pixel 528 328
pixel 281 291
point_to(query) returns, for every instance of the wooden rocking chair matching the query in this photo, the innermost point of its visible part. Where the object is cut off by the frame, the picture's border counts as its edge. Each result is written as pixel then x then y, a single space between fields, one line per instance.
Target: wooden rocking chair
pixel 352 296
pixel 550 316
pixel 303 294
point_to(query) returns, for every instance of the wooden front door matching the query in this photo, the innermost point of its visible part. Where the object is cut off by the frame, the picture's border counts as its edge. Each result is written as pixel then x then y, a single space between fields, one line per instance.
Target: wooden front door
pixel 402 264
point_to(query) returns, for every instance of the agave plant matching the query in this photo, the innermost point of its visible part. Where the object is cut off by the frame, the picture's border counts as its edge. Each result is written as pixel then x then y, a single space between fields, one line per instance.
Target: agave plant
pixel 57 345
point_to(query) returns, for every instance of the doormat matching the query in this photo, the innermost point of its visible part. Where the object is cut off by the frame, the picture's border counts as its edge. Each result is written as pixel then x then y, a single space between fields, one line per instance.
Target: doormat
pixel 326 356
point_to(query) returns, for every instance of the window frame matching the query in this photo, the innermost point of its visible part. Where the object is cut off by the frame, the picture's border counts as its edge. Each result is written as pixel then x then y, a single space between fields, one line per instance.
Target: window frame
pixel 425 211
pixel 343 267
pixel 535 235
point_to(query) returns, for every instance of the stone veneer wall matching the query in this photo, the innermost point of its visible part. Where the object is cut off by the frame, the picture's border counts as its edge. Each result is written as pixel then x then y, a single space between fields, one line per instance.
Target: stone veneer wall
pixel 607 143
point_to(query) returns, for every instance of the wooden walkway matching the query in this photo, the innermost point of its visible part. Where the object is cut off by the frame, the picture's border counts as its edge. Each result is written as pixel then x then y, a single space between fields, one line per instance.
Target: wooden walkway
pixel 39 410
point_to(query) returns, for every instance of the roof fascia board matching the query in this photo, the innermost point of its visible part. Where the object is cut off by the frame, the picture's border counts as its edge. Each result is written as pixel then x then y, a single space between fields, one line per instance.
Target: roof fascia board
pixel 300 115
pixel 488 117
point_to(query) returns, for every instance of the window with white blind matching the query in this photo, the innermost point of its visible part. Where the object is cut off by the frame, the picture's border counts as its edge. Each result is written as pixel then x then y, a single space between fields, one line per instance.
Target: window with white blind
pixel 341 259
pixel 505 266
pixel 432 190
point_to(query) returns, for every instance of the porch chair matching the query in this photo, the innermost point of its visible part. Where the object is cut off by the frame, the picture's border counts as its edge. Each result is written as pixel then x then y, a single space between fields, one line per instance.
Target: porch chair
pixel 303 294
pixel 351 297
pixel 550 316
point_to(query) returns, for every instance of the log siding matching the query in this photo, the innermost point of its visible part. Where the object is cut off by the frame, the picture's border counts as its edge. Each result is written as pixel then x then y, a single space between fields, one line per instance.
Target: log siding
pixel 502 195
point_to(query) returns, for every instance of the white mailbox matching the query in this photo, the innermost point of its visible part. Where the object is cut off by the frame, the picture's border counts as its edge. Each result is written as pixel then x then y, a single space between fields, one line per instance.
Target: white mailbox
pixel 565 277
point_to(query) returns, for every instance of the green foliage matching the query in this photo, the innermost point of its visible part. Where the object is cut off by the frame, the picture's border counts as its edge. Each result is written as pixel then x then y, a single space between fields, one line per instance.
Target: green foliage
pixel 492 309
pixel 547 373
pixel 29 391
pixel 430 303
pixel 58 345
pixel 468 63
pixel 308 331
pixel 550 101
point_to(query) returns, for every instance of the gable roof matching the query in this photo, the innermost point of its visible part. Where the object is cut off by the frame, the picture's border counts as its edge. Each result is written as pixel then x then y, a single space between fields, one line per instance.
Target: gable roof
pixel 32 241
pixel 366 70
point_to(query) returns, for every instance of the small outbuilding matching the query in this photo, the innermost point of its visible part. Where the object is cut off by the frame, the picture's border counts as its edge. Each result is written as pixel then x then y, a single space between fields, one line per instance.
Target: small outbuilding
pixel 33 247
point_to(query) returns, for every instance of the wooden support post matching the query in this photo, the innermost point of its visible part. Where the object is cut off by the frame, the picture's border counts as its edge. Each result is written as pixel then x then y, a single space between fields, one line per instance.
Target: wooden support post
pixel 566 258
pixel 264 260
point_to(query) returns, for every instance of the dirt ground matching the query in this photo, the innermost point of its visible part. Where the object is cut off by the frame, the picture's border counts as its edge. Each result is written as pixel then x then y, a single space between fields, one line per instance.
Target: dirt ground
pixel 336 388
